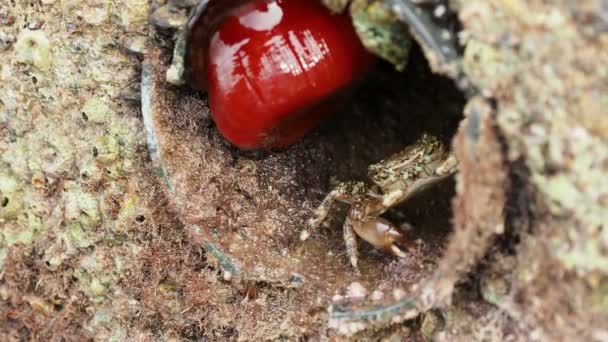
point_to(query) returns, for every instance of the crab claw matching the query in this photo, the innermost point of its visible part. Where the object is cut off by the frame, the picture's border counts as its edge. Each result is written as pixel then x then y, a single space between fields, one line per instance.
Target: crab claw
pixel 383 235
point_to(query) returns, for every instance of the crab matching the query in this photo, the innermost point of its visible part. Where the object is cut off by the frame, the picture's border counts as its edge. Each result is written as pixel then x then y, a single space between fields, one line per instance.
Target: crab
pixel 396 179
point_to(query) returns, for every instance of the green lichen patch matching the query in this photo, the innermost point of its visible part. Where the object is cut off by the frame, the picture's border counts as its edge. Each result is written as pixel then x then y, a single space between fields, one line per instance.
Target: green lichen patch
pixel 96 110
pixel 546 73
pixel 33 47
pixel 10 197
pixel 107 149
pixel 382 32
pixel 75 235
pixel 81 206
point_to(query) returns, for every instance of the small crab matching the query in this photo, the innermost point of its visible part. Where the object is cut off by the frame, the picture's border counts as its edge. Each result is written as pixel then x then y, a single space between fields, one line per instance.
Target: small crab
pixel 396 179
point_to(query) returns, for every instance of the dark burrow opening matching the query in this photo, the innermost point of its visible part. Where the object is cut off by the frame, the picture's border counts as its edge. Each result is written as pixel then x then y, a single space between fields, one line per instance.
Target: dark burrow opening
pixel 250 218
pixel 389 111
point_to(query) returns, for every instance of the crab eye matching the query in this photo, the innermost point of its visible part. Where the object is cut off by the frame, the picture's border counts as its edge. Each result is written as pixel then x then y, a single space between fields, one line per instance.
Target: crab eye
pixel 274 69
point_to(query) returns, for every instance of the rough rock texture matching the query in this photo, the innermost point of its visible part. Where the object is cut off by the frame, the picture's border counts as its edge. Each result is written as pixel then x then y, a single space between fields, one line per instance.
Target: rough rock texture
pixel 90 247
pixel 545 66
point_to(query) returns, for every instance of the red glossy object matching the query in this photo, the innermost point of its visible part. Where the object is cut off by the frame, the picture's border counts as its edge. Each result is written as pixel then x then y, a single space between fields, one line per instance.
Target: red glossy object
pixel 275 67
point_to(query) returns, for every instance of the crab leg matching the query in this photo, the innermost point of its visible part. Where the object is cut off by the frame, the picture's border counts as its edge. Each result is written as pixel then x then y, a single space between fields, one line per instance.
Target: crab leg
pixel 350 239
pixel 347 192
pixel 362 219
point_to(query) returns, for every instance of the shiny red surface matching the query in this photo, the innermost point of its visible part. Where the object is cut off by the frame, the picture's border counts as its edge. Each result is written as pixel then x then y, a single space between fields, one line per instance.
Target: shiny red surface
pixel 274 68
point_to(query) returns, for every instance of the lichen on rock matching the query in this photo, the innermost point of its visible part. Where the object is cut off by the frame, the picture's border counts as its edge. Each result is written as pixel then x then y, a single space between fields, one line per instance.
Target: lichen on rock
pixel 33 47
